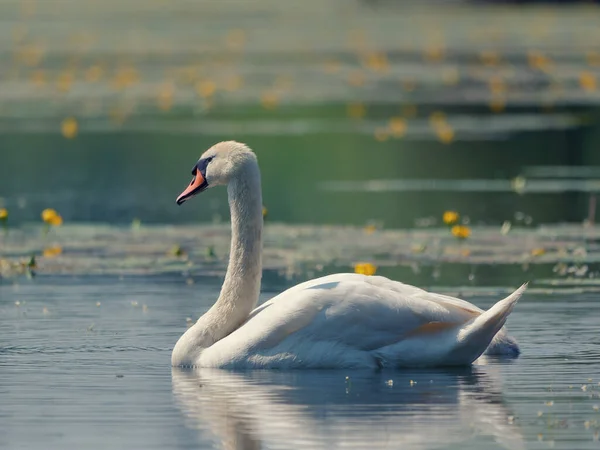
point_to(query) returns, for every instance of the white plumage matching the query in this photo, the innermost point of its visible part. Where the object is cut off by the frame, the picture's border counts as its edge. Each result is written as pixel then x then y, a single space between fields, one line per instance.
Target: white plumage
pixel 337 321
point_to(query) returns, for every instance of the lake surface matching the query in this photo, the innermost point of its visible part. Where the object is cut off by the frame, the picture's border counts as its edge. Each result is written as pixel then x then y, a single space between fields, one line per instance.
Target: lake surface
pixel 366 132
pixel 85 364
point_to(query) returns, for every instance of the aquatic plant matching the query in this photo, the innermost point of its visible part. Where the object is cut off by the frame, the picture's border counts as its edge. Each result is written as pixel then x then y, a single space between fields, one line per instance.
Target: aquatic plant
pixel 177 251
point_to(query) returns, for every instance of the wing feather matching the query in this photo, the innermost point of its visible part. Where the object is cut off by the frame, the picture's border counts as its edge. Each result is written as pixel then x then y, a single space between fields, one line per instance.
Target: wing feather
pixel 354 310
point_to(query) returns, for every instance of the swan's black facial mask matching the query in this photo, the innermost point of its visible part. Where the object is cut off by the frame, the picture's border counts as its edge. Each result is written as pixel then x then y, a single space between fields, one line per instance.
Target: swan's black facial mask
pixel 198 183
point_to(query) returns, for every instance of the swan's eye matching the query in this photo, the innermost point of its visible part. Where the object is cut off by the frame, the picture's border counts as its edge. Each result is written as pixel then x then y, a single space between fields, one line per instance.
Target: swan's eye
pixel 209 159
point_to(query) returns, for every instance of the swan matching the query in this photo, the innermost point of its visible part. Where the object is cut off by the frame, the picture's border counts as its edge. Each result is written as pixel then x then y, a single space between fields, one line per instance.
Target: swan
pixel 344 320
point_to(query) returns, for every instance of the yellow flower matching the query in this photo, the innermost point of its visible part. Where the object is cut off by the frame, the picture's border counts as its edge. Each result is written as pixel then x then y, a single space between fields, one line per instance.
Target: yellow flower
pixel 3 214
pixel 538 252
pixel 497 104
pixel 56 221
pixel 461 231
pixel 47 214
pixel 165 96
pixel 450 217
pixel 356 110
pixel 64 82
pixel 206 88
pixel 370 229
pixel 356 78
pixel 51 252
pixel 397 126
pixel 538 61
pixel 69 128
pixel 497 85
pixel 587 80
pixel 269 100
pixel 265 212
pixel 51 217
pixel 365 268
pixel 445 133
pixel 377 62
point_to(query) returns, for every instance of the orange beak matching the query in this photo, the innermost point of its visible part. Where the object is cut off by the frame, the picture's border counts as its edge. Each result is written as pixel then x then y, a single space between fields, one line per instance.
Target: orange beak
pixel 197 185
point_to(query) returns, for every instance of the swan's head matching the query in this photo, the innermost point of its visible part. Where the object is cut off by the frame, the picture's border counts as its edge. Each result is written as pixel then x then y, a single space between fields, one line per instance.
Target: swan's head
pixel 218 165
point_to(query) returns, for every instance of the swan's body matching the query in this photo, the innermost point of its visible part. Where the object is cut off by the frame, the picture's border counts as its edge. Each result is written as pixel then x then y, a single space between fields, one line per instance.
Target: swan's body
pixel 337 321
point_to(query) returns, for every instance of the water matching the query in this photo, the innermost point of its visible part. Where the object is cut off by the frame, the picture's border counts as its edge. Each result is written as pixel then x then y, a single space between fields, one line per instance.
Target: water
pixel 366 132
pixel 85 363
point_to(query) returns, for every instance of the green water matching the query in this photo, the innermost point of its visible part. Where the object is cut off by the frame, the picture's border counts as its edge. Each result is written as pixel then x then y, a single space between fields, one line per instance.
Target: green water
pixel 117 177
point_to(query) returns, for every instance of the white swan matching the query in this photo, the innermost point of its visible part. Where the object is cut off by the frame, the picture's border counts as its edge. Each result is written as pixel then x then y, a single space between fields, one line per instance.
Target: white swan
pixel 337 321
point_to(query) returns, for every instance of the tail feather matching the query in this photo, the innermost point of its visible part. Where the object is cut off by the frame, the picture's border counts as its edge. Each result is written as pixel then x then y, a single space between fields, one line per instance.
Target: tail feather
pixel 475 336
pixel 447 345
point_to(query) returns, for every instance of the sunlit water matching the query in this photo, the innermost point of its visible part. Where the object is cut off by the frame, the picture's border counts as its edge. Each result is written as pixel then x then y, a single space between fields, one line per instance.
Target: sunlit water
pixel 85 344
pixel 84 363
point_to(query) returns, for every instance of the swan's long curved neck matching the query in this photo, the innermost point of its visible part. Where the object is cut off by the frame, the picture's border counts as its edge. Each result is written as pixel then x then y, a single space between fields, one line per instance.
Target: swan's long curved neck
pixel 241 286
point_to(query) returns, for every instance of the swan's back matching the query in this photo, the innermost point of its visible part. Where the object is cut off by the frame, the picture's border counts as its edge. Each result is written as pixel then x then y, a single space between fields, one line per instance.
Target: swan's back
pixel 341 320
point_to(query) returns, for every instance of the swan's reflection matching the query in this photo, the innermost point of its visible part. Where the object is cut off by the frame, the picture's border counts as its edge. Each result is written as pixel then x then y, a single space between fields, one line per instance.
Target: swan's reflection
pixel 416 409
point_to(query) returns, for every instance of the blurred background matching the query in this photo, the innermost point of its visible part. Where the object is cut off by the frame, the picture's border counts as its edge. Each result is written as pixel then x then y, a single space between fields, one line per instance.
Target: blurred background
pixel 375 114
pixel 379 110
